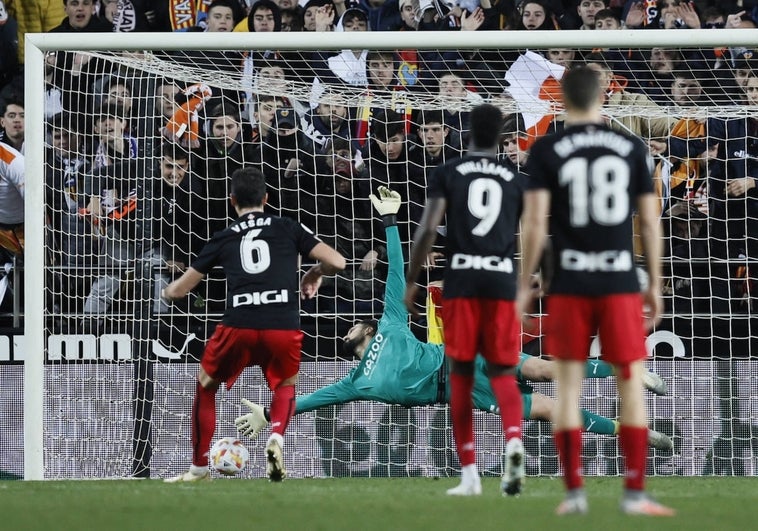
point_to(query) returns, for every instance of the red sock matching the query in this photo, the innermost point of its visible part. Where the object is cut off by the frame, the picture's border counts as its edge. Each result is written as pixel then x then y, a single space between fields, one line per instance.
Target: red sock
pixel 203 424
pixel 509 400
pixel 569 445
pixel 462 415
pixel 282 408
pixel 633 441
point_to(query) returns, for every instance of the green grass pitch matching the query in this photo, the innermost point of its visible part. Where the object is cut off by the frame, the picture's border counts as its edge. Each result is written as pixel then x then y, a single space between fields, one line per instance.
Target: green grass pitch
pixel 708 503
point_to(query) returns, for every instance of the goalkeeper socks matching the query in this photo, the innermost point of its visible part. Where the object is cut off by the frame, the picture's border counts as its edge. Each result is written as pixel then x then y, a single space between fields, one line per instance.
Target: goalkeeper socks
pixel 461 411
pixel 598 369
pixel 634 445
pixel 203 424
pixel 569 446
pixel 595 423
pixel 509 400
pixel 282 408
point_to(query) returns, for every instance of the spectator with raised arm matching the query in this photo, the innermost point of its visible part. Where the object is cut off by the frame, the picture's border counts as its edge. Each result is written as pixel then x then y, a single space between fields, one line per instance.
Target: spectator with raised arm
pixel 319 15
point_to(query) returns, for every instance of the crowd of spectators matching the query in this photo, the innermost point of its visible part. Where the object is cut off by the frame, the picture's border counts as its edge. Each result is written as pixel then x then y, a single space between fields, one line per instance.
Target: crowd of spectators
pixel 137 166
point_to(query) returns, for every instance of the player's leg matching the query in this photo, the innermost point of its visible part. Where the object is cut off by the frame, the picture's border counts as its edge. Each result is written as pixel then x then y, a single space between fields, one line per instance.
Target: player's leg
pixel 224 358
pixel 543 408
pixel 633 438
pixel 571 324
pixel 538 369
pixel 622 334
pixel 203 427
pixel 462 324
pixel 541 370
pixel 281 371
pixel 500 347
pixel 567 421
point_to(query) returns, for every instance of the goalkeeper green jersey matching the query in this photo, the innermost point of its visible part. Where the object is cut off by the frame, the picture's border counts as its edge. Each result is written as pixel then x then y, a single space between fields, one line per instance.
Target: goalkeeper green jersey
pixel 397 368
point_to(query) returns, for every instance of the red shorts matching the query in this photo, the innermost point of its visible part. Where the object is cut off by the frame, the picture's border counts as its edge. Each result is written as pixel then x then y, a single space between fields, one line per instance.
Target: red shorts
pixel 485 326
pixel 617 319
pixel 230 350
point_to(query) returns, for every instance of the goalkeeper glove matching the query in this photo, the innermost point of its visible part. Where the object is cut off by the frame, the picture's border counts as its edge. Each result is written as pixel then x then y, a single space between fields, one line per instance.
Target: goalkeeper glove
pixel 387 204
pixel 252 423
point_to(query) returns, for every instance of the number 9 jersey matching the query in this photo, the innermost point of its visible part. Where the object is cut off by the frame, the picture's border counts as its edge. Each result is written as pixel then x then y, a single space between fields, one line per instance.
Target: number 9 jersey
pixel 594 175
pixel 259 255
pixel 484 201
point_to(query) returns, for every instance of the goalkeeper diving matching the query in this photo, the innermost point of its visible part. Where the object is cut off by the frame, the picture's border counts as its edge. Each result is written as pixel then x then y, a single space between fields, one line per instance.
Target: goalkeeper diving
pixel 396 368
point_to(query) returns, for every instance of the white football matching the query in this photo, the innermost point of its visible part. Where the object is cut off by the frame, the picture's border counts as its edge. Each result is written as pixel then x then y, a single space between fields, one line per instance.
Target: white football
pixel 229 456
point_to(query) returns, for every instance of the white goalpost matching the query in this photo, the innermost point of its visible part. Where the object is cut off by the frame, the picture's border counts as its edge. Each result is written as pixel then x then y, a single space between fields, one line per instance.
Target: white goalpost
pixel 107 389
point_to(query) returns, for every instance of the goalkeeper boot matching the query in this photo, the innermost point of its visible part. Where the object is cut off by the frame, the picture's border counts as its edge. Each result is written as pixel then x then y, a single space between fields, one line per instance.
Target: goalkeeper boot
pixel 659 441
pixel 654 383
pixel 575 502
pixel 195 473
pixel 275 459
pixel 514 470
pixel 639 503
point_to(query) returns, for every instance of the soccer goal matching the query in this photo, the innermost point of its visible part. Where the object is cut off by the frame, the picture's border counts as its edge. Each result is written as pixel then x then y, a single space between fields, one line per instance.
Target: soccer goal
pixel 102 373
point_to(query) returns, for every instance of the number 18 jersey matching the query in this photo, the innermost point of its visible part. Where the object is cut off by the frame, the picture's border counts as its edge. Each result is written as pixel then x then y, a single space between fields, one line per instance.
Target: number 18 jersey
pixel 259 255
pixel 484 201
pixel 594 175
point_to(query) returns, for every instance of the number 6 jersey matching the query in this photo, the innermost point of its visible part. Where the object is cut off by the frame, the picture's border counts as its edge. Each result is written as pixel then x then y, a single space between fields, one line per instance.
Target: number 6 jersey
pixel 484 202
pixel 259 254
pixel 594 175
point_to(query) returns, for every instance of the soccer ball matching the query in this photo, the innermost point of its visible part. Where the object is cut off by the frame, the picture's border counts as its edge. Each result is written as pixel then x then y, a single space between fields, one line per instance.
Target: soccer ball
pixel 229 456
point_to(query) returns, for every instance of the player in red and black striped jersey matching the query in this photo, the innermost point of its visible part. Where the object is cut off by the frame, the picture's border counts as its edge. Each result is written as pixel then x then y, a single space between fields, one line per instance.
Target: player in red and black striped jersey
pixel 587 180
pixel 259 254
pixel 482 199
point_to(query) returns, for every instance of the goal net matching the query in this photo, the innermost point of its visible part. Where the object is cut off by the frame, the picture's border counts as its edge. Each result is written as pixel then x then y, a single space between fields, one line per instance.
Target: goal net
pixel 130 144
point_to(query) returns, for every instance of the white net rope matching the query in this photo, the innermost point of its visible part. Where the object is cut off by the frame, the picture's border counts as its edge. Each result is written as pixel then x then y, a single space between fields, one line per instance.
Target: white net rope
pixel 712 93
pixel 120 126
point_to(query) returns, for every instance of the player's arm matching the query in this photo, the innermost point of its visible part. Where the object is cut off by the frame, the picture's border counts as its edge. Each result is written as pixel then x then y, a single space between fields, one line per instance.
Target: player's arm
pixel 180 287
pixel 340 392
pixel 387 204
pixel 423 240
pixel 330 261
pixel 650 232
pixel 534 221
